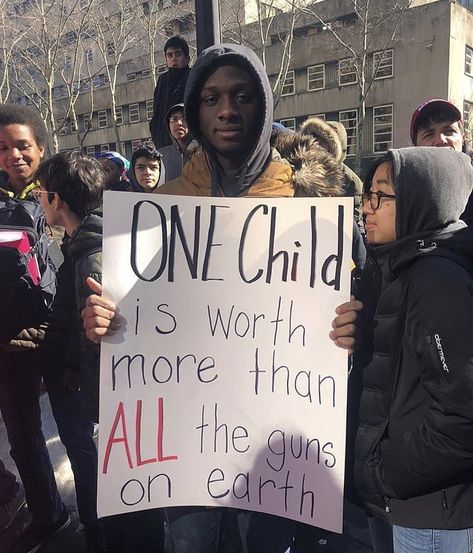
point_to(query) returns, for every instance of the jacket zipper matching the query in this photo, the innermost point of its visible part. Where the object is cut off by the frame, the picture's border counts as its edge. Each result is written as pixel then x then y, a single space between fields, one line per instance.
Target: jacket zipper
pixel 444 500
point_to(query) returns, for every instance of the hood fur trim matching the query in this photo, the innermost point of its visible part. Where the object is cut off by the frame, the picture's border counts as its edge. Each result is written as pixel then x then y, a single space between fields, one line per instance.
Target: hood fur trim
pixel 325 135
pixel 316 172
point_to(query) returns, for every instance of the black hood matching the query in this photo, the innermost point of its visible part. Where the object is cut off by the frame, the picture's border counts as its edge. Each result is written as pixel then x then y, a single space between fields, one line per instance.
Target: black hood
pixel 432 188
pixel 87 238
pixel 208 61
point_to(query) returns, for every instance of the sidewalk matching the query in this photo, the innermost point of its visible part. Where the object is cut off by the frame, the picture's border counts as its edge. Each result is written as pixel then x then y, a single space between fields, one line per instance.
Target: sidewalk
pixel 355 538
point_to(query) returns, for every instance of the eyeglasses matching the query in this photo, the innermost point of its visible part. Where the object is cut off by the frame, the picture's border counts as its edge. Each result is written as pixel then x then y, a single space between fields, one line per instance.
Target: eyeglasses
pixel 374 198
pixel 177 119
pixel 36 193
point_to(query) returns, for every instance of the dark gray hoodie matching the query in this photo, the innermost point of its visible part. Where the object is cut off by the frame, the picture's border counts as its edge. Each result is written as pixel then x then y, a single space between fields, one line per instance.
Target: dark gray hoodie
pixel 207 63
pixel 432 188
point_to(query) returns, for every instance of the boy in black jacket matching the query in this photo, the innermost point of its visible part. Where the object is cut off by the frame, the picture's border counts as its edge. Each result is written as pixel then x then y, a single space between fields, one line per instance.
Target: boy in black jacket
pixel 70 191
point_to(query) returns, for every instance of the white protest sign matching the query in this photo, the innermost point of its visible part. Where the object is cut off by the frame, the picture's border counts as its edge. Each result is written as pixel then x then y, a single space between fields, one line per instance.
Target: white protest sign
pixel 222 387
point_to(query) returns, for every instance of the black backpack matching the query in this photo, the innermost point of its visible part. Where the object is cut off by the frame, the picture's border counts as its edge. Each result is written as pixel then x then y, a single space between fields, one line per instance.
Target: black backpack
pixel 27 275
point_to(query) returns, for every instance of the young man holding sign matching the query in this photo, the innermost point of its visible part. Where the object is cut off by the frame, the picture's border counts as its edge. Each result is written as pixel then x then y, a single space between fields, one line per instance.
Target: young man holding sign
pixel 229 109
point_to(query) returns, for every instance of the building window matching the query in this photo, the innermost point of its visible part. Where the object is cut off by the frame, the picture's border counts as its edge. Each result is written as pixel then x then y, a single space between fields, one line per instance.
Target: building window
pixel 289 123
pixel 382 128
pixel 316 77
pixel 96 81
pixel 468 116
pixel 347 72
pixel 69 37
pixel 469 61
pixel 104 148
pixel 73 125
pixel 161 69
pixel 289 86
pixel 319 115
pixel 146 73
pixel 349 119
pixel 89 56
pixel 110 48
pixel 62 128
pixel 68 62
pixel 119 115
pixel 87 122
pixel 149 109
pixel 384 63
pixel 135 144
pixel 90 151
pixel 134 113
pixel 131 77
pixel 102 119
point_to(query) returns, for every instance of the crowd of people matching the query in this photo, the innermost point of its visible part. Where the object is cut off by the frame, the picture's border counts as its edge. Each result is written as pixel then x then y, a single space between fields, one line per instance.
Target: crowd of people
pixel 410 414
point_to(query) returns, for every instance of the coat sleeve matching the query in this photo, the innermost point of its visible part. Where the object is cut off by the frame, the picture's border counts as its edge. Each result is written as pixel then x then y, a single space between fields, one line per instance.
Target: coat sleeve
pixel 438 453
pixel 159 92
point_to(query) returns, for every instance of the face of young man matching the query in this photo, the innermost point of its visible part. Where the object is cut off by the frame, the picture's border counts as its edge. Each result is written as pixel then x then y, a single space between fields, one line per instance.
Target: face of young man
pixel 230 114
pixel 178 126
pixel 147 173
pixel 447 134
pixel 380 223
pixel 20 155
pixel 176 59
pixel 49 207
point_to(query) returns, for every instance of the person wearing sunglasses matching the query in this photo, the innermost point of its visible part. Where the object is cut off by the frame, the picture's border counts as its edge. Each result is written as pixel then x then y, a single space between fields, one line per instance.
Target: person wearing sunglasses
pixel 412 462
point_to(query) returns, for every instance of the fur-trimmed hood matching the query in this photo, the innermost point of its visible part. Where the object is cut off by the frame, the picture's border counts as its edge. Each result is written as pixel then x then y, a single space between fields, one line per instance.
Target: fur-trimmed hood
pixel 325 135
pixel 315 171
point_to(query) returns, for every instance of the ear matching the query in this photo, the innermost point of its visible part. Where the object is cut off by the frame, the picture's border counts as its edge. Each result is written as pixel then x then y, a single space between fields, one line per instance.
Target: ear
pixel 41 151
pixel 58 204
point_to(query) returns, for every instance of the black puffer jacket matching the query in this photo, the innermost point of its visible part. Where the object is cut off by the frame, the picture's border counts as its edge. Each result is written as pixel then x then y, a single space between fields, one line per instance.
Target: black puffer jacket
pixel 414 446
pixel 84 250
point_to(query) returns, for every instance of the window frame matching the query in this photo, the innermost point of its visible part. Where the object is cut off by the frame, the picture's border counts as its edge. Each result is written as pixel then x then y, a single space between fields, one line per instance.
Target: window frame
pixel 135 144
pixel 291 127
pixel 149 105
pixel 391 52
pixel 340 63
pixel 62 127
pixel 309 89
pixel 468 60
pixel 87 122
pixel 285 84
pixel 119 115
pixel 130 106
pixel 350 136
pixel 388 142
pixel 100 119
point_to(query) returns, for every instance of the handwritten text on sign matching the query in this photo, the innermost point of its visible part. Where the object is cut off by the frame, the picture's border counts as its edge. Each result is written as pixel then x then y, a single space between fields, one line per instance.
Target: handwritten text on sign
pixel 222 386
